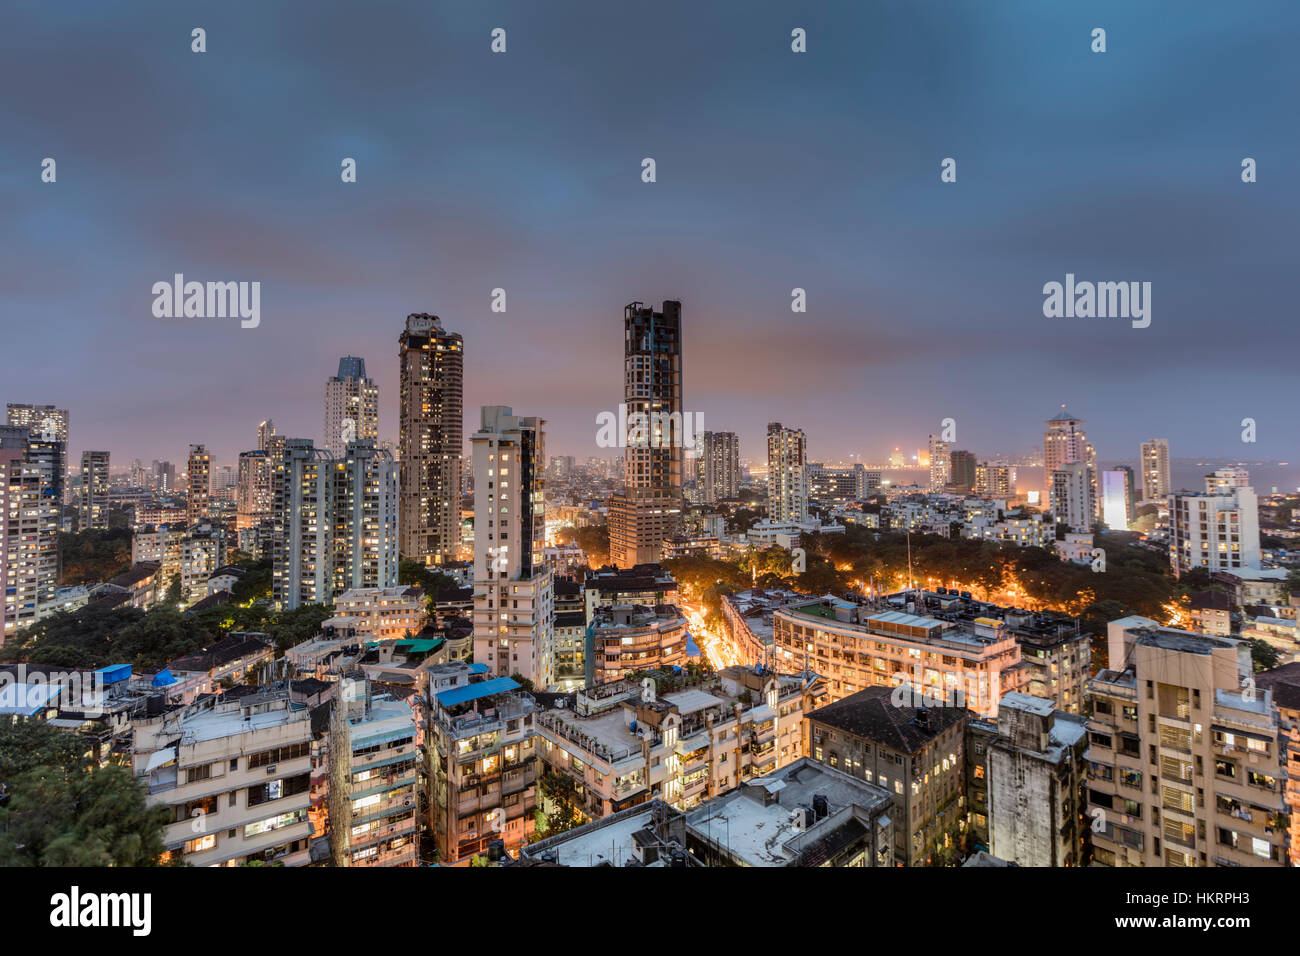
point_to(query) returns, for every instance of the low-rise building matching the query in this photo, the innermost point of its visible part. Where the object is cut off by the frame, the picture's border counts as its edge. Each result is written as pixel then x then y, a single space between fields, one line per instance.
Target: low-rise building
pixel 1036 775
pixel 482 764
pixel 623 638
pixel 235 776
pixel 914 752
pixel 672 736
pixel 379 614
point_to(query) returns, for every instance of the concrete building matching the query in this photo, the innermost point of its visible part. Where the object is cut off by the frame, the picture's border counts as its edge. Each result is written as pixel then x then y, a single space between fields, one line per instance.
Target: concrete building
pixel 624 638
pixel 1036 783
pixel 47 443
pixel 335 523
pixel 431 439
pixel 1066 443
pixel 1071 497
pixel 649 508
pixel 1218 532
pixel 787 478
pixel 514 594
pixel 198 485
pixel 673 737
pixel 254 488
pixel 379 614
pixel 647 584
pixel 914 752
pixel 92 496
pixel 994 479
pixel 806 814
pixel 1185 753
pixel 482 763
pixel 962 469
pixel 375 756
pixel 351 406
pixel 721 466
pixel 1284 684
pixel 235 776
pixel 1118 509
pixel 29 529
pixel 1155 471
pixel 858 647
pixel 940 464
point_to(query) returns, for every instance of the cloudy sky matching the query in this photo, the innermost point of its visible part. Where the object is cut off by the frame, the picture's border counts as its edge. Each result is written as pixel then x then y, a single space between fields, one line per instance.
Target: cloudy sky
pixel 775 170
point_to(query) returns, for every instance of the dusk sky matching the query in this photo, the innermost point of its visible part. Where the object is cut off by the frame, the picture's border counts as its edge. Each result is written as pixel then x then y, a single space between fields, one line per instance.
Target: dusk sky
pixel 775 170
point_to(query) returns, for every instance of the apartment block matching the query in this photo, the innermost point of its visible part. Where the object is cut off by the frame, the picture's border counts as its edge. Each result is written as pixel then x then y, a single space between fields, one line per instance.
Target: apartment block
pixel 856 647
pixel 235 776
pixel 482 763
pixel 914 752
pixel 1185 754
pixel 673 737
pixel 624 638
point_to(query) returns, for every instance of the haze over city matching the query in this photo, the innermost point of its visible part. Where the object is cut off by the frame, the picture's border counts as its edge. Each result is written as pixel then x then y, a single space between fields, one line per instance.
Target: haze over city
pixel 775 172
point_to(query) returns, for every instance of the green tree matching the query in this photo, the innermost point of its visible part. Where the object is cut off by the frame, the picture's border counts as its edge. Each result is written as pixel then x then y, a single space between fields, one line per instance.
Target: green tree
pixel 62 812
pixel 1263 655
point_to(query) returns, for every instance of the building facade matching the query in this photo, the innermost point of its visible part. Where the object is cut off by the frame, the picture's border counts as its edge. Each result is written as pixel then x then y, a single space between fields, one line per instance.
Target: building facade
pixel 431 438
pixel 351 406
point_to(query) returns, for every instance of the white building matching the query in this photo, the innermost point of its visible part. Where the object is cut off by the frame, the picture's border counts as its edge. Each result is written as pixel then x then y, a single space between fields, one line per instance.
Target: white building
pixel 787 479
pixel 514 596
pixel 940 463
pixel 1219 532
pixel 379 614
pixel 29 526
pixel 335 523
pixel 351 406
pixel 1155 470
pixel 1072 500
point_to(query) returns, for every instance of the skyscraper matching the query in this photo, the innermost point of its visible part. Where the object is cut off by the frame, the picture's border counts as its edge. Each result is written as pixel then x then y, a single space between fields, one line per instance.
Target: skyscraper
pixel 514 600
pixel 47 444
pixel 962 470
pixel 1065 442
pixel 29 527
pixel 254 495
pixel 92 496
pixel 198 478
pixel 335 522
pixel 940 462
pixel 265 431
pixel 1155 470
pixel 649 509
pixel 1117 498
pixel 351 406
pixel 721 466
pixel 431 438
pixel 787 476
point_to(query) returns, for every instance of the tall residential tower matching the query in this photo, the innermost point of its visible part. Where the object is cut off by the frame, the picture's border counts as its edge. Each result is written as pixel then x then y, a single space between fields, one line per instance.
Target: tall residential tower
pixel 431 438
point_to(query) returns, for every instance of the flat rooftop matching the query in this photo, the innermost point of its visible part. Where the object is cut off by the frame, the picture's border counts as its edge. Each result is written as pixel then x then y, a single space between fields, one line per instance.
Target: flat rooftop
pixel 739 822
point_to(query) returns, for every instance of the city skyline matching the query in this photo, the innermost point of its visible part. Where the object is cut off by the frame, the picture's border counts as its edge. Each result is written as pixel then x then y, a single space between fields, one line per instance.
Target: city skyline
pixel 903 274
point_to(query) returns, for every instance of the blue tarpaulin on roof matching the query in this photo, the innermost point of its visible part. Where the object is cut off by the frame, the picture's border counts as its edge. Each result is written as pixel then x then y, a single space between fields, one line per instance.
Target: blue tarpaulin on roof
pixel 460 695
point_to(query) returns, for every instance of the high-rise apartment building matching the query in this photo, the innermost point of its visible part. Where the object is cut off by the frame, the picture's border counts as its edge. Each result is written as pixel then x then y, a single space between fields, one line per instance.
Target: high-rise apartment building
pixel 962 469
pixel 254 494
pixel 1064 443
pixel 1185 756
pixel 351 406
pixel 1219 532
pixel 514 595
pixel 1071 495
pixel 650 507
pixel 335 522
pixel 721 466
pixel 431 438
pixel 29 527
pixel 1117 506
pixel 47 443
pixel 265 431
pixel 1155 470
pixel 198 479
pixel 92 496
pixel 787 475
pixel 940 462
